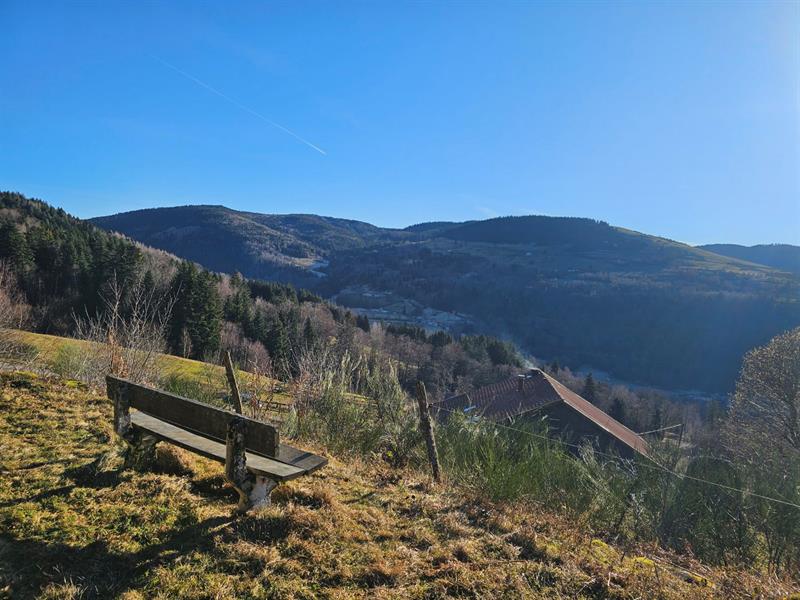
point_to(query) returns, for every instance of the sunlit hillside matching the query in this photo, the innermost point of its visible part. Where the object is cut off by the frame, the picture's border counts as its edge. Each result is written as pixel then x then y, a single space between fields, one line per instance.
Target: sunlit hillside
pixel 73 525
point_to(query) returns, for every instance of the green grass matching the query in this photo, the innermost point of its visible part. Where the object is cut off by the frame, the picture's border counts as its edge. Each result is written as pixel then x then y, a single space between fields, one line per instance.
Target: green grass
pixel 180 375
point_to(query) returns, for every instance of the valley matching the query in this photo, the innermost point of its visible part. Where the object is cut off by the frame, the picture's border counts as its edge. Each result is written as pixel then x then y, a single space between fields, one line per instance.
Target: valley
pixel 645 309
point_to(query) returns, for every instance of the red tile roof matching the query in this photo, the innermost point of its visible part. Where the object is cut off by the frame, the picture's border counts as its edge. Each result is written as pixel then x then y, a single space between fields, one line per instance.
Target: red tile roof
pixel 528 393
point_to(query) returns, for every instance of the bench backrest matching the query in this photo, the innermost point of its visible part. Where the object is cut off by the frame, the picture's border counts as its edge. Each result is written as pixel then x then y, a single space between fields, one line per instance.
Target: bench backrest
pixel 200 418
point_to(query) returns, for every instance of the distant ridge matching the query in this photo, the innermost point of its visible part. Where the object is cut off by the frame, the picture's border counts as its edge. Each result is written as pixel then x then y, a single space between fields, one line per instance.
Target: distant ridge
pixel 784 257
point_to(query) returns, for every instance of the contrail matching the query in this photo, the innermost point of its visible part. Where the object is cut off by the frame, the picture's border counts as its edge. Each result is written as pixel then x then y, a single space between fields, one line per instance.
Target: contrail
pixel 239 104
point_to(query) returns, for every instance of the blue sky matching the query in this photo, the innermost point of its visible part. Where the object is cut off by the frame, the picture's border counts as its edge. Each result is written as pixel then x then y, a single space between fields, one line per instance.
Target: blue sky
pixel 680 119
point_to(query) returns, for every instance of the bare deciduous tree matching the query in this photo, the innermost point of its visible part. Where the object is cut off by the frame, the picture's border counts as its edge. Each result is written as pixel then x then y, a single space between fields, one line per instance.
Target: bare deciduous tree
pixel 763 432
pixel 14 311
pixel 260 389
pixel 764 420
pixel 128 333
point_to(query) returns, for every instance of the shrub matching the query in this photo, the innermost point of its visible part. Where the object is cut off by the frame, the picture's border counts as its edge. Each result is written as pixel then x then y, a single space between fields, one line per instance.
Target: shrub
pixel 69 361
pixel 329 410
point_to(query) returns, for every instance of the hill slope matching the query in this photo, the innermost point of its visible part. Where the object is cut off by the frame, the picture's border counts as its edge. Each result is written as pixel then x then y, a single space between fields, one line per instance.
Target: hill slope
pixel 783 257
pixel 257 245
pixel 642 308
pixel 74 525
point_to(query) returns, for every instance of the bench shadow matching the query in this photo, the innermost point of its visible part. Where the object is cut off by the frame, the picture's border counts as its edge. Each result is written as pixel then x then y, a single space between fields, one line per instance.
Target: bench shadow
pixel 92 475
pixel 86 475
pixel 64 490
pixel 31 565
pixel 28 566
pixel 215 487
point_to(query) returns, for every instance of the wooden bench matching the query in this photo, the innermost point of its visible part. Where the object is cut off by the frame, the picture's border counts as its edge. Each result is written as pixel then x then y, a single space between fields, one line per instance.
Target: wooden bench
pixel 255 460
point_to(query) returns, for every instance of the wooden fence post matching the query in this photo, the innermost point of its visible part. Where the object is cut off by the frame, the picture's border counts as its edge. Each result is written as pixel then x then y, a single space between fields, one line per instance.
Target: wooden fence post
pixel 427 430
pixel 237 399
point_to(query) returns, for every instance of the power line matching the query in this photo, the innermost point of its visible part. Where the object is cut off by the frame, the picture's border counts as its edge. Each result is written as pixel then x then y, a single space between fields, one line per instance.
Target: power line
pixel 661 429
pixel 655 464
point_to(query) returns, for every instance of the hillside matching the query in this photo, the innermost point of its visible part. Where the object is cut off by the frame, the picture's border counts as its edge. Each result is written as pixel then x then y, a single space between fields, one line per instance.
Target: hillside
pixel 641 308
pixel 64 356
pixel 257 245
pixel 60 275
pixel 783 257
pixel 73 525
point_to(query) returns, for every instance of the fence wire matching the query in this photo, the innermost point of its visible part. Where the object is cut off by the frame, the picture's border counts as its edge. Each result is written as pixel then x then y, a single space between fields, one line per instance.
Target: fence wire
pixel 655 465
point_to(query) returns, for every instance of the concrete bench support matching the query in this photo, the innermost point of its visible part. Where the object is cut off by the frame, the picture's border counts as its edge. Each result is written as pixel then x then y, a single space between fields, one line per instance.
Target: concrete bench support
pixel 254 490
pixel 140 451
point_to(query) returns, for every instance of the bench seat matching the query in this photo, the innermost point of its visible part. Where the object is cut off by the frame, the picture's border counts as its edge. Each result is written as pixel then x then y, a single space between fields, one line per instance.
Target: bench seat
pixel 255 460
pixel 289 464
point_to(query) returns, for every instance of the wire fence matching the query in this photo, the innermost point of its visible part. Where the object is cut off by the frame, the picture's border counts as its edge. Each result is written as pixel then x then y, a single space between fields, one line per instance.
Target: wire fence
pixel 653 464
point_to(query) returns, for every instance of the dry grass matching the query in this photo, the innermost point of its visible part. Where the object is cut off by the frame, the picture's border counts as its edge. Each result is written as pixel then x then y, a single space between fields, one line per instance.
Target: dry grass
pixel 72 525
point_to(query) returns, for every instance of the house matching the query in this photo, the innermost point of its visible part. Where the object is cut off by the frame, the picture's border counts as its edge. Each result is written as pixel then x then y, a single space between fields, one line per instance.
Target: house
pixel 536 394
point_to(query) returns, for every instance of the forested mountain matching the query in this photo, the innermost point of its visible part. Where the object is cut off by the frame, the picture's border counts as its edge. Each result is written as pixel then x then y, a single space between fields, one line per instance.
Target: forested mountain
pixel 263 246
pixel 783 257
pixel 585 293
pixel 66 271
pixel 61 263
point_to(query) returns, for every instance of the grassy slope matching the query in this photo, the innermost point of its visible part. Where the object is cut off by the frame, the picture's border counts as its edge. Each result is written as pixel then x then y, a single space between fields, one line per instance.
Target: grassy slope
pixel 73 525
pixel 190 371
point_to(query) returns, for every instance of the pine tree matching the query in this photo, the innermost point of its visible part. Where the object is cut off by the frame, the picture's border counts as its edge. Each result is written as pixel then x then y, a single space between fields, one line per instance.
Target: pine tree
pixel 197 312
pixel 148 281
pixel 256 327
pixel 309 335
pixel 14 247
pixel 657 422
pixel 206 318
pixel 277 344
pixel 440 339
pixel 617 411
pixel 362 321
pixel 590 389
pixel 238 304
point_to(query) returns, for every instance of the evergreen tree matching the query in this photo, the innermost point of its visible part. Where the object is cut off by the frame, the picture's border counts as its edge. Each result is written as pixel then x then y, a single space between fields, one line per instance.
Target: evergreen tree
pixel 590 389
pixel 182 289
pixel 277 344
pixel 362 322
pixel 148 281
pixel 238 305
pixel 256 328
pixel 14 247
pixel 206 319
pixel 440 339
pixel 197 312
pixel 309 335
pixel 617 411
pixel 657 422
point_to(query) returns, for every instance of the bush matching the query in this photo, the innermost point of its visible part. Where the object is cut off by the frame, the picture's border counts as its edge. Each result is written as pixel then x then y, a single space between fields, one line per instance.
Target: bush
pixel 69 361
pixel 507 464
pixel 209 386
pixel 328 408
